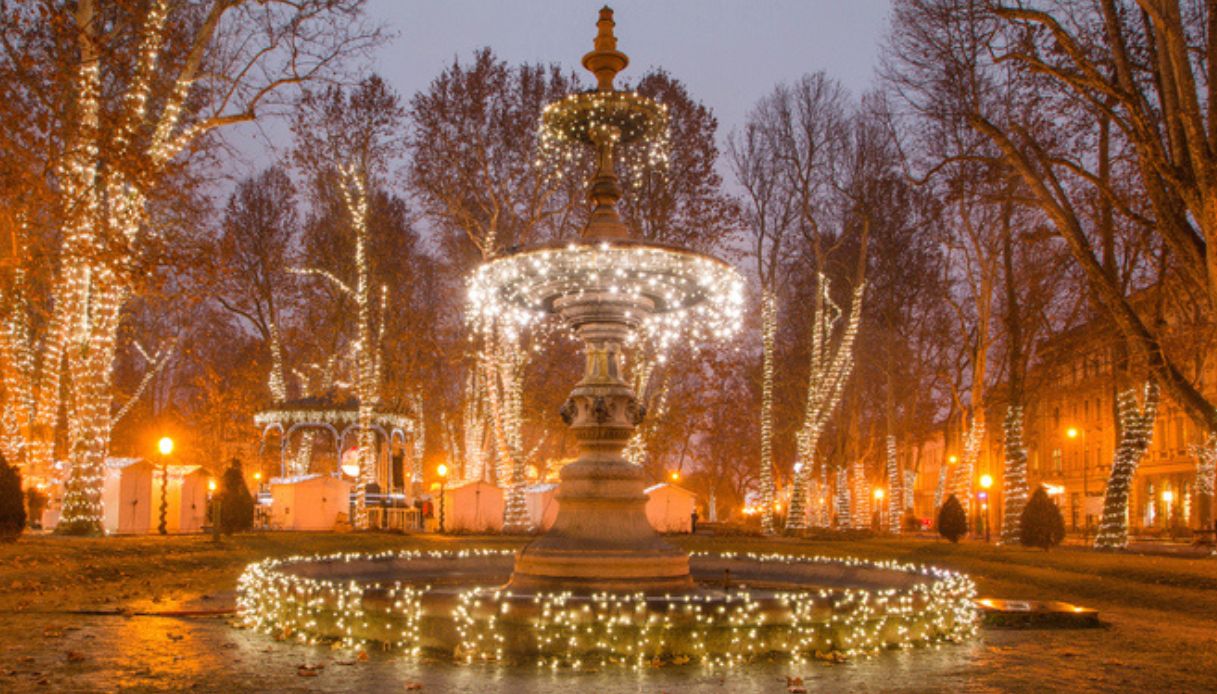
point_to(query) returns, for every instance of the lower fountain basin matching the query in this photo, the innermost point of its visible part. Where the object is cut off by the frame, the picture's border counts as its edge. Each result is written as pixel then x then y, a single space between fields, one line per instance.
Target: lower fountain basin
pixel 742 608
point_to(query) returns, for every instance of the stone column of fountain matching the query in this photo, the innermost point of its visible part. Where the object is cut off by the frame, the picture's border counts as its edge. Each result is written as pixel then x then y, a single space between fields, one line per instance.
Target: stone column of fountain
pixel 601 539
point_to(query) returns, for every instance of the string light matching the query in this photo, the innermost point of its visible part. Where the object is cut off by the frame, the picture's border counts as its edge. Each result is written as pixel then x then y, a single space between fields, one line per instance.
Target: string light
pixel 637 126
pixel 679 295
pixel 1014 477
pixel 1206 471
pixel 769 325
pixel 724 628
pixel 971 452
pixel 829 371
pixel 420 441
pixel 894 497
pixel 1136 433
pixel 842 498
pixel 861 496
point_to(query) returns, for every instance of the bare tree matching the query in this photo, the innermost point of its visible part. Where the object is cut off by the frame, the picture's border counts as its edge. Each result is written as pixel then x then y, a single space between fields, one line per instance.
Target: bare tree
pixel 129 94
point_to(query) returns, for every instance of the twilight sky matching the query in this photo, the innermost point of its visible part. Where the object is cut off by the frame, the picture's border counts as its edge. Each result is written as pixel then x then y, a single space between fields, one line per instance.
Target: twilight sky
pixel 728 52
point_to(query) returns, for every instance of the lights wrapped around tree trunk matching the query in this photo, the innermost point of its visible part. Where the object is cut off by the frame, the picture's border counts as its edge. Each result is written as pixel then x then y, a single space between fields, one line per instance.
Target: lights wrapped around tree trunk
pixel 1014 476
pixel 842 498
pixel 895 496
pixel 861 496
pixel 1136 432
pixel 830 369
pixel 769 325
pixel 1206 471
pixel 967 467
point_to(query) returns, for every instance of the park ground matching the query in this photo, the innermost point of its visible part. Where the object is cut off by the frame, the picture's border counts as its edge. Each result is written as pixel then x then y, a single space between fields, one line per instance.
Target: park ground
pixel 70 620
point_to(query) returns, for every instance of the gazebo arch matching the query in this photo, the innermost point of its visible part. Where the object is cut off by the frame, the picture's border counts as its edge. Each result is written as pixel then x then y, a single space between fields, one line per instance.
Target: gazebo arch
pixel 327 413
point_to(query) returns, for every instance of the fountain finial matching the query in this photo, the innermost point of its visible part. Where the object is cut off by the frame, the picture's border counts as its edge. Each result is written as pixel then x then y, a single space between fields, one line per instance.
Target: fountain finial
pixel 606 61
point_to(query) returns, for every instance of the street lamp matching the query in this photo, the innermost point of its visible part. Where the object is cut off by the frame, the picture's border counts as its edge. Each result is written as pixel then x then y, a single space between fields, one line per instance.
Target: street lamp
pixel 986 481
pixel 215 510
pixel 442 471
pixel 675 475
pixel 165 446
pixel 1167 497
pixel 1073 433
pixel 878 493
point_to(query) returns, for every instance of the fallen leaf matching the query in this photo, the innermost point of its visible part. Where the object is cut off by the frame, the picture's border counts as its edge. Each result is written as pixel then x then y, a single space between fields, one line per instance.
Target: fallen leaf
pixel 413 686
pixel 362 656
pixel 309 670
pixel 75 657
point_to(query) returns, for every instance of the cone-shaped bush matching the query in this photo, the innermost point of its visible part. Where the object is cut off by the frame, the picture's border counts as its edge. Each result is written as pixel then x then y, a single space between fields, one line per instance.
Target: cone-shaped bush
pixel 1042 524
pixel 12 503
pixel 952 521
pixel 236 503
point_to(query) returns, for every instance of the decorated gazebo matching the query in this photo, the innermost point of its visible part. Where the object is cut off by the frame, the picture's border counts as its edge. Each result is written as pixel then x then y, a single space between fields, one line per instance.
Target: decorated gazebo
pixel 337 420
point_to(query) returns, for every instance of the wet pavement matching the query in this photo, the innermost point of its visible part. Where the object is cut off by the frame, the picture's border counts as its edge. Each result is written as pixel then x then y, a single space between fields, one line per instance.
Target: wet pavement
pixel 69 653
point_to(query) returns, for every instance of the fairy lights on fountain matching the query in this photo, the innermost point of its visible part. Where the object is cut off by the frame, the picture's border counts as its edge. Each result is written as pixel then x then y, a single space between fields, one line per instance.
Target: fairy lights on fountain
pixel 694 297
pixel 562 629
pixel 601 587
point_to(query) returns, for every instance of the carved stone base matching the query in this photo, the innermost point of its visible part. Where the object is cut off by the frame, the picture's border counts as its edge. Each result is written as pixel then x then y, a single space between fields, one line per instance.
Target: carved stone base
pixel 601 540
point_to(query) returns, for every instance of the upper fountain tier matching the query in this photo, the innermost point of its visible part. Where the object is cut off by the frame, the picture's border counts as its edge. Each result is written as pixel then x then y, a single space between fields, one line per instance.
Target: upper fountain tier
pixel 666 291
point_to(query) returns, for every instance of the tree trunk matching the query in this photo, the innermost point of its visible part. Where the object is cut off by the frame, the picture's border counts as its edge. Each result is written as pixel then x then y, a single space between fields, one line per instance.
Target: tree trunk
pixel 1136 431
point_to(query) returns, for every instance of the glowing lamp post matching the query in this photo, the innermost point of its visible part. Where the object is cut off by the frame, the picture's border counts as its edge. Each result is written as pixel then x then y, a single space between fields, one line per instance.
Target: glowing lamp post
pixel 878 494
pixel 215 510
pixel 986 481
pixel 442 471
pixel 1072 433
pixel 675 476
pixel 165 447
pixel 1167 498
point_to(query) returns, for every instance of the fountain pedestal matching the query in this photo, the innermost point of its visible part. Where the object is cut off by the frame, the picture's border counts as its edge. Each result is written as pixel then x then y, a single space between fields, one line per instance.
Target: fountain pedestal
pixel 601 539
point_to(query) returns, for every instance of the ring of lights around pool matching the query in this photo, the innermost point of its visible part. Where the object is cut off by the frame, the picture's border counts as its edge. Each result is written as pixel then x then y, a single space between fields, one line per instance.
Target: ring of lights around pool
pixel 744 607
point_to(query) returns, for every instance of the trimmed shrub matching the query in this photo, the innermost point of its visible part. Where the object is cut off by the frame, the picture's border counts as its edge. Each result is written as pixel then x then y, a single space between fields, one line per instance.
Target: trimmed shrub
pixel 35 504
pixel 952 521
pixel 1042 524
pixel 236 503
pixel 12 503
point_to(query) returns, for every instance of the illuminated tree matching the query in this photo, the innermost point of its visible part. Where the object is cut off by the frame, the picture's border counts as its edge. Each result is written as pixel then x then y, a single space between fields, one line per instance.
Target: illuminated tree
pixel 345 140
pixel 831 364
pixel 768 218
pixel 128 94
pixel 1136 430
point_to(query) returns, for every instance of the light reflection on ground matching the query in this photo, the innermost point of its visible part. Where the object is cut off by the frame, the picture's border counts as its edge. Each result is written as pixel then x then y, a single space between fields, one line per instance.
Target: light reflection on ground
pixel 206 654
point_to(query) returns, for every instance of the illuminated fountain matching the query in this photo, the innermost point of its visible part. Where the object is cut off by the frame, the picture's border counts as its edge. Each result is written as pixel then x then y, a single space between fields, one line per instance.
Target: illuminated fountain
pixel 601 583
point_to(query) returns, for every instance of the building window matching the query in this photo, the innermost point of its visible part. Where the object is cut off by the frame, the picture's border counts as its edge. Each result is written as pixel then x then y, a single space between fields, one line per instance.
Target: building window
pixel 1057 462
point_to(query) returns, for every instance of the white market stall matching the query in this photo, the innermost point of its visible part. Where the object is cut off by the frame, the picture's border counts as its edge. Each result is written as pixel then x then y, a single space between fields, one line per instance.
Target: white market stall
pixel 670 508
pixel 541 500
pixel 187 496
pixel 308 502
pixel 126 496
pixel 475 507
pixel 131 497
